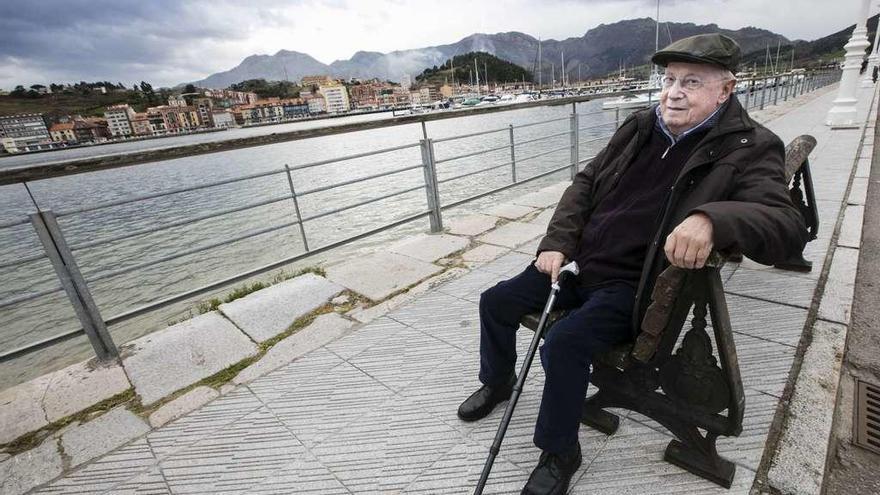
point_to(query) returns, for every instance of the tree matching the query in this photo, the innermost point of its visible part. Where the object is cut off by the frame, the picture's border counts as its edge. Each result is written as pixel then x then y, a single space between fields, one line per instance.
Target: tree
pixel 189 88
pixel 18 92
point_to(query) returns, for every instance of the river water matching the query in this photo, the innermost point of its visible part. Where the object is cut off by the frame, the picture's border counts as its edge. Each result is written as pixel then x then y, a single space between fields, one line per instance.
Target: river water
pixel 156 279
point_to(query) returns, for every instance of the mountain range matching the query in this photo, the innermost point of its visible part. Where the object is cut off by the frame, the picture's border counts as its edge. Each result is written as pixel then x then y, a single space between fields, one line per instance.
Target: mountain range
pixel 599 51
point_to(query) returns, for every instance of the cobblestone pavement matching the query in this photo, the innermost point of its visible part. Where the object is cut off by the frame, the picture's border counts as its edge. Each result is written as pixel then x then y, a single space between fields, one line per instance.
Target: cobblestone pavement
pixel 374 412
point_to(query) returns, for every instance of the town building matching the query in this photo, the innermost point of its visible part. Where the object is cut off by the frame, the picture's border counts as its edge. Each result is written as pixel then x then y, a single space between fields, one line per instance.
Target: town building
pixel 176 101
pixel 227 98
pixel 119 120
pixel 263 112
pixel 405 81
pixel 205 109
pixel 62 132
pixel 222 118
pixel 365 95
pixel 335 98
pixel 309 81
pixel 24 132
pixel 295 108
pixel 140 124
pixel 316 104
pixel 91 130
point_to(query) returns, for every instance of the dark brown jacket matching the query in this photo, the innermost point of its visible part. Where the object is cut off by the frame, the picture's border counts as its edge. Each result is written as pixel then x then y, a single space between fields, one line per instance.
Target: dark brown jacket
pixel 734 175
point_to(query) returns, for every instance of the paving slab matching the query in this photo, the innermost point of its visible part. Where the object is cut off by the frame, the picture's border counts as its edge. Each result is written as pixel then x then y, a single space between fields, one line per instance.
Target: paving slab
pixel 184 404
pixel 538 199
pixel 110 473
pixel 366 315
pixel 512 234
pixel 163 362
pixel 471 225
pixel 483 253
pixel 509 211
pixel 799 463
pixel 83 385
pixel 837 299
pixel 324 329
pixel 851 229
pixel 557 188
pixel 268 312
pixel 101 435
pixel 543 218
pixel 20 409
pixel 859 191
pixel 24 471
pixel 381 274
pixel 429 247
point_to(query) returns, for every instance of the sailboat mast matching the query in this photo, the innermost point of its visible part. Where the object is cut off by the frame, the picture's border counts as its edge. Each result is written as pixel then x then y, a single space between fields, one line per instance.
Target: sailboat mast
pixel 776 64
pixel 477 72
pixel 563 68
pixel 539 63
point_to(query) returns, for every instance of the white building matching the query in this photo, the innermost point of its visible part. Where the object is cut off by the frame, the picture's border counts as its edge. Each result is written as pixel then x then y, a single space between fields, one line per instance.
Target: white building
pixel 316 105
pixel 223 118
pixel 26 132
pixel 335 98
pixel 119 119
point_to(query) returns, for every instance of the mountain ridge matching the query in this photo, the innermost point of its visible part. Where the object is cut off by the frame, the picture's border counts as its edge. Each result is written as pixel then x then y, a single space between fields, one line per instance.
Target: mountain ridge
pixel 600 50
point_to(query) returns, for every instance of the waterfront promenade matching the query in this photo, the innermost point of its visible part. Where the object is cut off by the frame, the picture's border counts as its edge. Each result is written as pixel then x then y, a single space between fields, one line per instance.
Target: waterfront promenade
pixel 369 405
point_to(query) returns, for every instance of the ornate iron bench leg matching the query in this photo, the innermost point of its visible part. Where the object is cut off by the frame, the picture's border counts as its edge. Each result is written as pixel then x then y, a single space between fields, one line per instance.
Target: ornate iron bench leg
pixel 699 456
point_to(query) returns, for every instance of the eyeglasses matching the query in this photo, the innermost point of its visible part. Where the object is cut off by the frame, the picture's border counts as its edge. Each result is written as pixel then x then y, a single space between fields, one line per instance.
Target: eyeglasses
pixel 689 83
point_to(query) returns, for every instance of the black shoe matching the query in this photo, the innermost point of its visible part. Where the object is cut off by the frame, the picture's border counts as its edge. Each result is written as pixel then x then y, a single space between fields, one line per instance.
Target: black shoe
pixel 481 402
pixel 553 473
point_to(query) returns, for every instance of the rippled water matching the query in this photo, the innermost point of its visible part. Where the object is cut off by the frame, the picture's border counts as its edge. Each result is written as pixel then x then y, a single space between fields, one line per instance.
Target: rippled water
pixel 51 315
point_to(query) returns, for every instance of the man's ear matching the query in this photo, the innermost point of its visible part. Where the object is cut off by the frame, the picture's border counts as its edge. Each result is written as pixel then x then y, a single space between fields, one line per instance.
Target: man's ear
pixel 726 91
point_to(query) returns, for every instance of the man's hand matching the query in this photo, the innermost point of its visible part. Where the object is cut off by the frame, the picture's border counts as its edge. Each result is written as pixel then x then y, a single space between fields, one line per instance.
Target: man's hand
pixel 690 242
pixel 550 262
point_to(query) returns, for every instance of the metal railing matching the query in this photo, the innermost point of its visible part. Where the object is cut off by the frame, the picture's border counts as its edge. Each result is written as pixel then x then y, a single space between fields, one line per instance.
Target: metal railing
pixel 75 285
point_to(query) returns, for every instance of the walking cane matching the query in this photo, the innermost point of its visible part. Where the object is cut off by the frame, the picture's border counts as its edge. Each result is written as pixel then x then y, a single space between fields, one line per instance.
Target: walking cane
pixel 571 268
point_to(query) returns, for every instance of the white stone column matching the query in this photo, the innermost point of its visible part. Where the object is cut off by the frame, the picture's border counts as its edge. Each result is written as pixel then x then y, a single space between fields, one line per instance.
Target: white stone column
pixel 843 113
pixel 868 80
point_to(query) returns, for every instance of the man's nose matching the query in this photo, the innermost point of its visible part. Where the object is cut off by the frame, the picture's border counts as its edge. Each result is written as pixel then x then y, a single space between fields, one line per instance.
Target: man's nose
pixel 675 92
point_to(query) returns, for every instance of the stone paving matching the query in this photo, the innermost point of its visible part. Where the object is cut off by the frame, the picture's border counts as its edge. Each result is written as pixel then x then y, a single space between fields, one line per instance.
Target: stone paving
pixel 373 411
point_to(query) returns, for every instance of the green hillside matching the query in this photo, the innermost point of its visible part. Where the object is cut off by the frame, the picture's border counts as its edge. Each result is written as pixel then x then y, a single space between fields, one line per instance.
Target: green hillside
pixel 498 70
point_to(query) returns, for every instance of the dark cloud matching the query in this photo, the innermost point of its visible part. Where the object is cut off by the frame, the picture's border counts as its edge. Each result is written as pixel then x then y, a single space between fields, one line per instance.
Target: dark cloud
pixel 114 40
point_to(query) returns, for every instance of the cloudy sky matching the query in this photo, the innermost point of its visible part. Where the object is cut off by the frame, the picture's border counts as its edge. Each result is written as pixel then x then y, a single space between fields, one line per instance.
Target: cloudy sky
pixel 167 42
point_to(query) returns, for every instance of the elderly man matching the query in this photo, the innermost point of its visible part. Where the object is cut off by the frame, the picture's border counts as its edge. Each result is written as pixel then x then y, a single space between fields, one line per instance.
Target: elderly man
pixel 689 175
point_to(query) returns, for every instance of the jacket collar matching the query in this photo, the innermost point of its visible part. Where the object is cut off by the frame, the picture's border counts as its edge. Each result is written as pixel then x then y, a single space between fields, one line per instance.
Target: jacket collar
pixel 707 123
pixel 732 119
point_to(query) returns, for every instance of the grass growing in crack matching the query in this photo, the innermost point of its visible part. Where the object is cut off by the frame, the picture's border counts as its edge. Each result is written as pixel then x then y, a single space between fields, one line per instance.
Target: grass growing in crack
pixel 34 438
pixel 243 290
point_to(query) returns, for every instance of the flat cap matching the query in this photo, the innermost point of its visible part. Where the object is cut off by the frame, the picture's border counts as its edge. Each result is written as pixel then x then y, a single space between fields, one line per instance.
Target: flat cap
pixel 714 49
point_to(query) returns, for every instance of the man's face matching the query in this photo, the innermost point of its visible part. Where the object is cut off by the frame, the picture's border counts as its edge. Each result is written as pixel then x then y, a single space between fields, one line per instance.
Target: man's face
pixel 695 92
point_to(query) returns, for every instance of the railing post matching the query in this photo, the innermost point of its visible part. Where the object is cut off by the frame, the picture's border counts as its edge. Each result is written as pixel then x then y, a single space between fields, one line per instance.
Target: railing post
pixel 776 90
pixel 787 88
pixel 575 146
pixel 431 185
pixel 512 155
pixel 299 218
pixel 74 284
pixel 617 117
pixel 763 91
pixel 748 92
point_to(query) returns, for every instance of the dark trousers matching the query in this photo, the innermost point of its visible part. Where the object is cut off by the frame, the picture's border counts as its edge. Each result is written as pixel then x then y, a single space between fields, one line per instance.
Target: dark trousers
pixel 600 317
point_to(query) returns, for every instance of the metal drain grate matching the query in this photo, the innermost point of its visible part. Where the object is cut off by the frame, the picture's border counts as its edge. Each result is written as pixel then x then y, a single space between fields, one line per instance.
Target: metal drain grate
pixel 867 421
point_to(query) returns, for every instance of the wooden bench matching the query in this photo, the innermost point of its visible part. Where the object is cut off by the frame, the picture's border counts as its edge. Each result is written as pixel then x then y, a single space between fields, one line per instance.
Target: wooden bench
pixel 688 383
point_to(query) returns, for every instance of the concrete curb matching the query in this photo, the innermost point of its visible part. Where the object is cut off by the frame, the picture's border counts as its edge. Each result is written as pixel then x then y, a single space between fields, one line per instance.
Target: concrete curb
pixel 796 451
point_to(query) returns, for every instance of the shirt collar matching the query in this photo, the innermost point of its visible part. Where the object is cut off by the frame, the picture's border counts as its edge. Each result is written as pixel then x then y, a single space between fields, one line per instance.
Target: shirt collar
pixel 707 123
